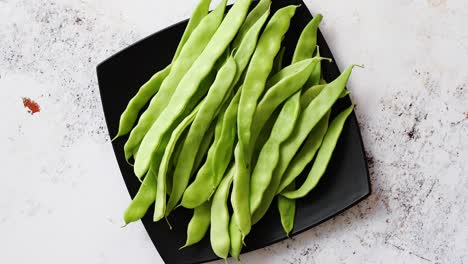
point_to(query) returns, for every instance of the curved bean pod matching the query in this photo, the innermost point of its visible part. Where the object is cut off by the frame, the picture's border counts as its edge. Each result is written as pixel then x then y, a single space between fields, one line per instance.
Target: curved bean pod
pixel 270 152
pixel 194 46
pixel 200 11
pixel 323 157
pixel 306 154
pixel 316 75
pixel 298 74
pixel 311 115
pixel 259 10
pixel 204 147
pixel 241 192
pixel 307 120
pixel 257 73
pixel 160 205
pixel 287 210
pixel 308 40
pixel 189 84
pixel 305 48
pixel 208 177
pixel 247 46
pixel 198 225
pixel 310 94
pixel 219 230
pixel 277 64
pixel 236 239
pixel 144 94
pixel 151 87
pixel 142 200
pixel 208 110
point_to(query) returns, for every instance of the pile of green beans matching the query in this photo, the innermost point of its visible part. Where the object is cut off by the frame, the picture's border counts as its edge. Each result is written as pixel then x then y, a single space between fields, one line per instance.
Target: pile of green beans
pixel 230 124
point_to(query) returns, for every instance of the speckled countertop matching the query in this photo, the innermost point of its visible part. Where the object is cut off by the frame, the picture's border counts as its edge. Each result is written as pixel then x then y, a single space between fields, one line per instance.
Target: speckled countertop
pixel 61 194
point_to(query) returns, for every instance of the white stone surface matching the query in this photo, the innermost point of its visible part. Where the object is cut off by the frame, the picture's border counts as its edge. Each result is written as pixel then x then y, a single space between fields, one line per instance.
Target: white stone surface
pixel 61 194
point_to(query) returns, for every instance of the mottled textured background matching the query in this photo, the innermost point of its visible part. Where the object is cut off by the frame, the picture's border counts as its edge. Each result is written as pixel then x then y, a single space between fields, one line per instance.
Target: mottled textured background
pixel 61 194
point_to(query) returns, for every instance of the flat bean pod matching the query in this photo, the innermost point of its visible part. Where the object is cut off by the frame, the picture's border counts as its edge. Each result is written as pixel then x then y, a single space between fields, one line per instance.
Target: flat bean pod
pixel 142 200
pixel 310 94
pixel 287 210
pixel 189 84
pixel 200 11
pixel 241 192
pixel 307 42
pixel 151 87
pixel 143 96
pixel 257 73
pixel 160 205
pixel 311 115
pixel 212 103
pixel 270 152
pixel 199 224
pixel 304 50
pixel 204 147
pixel 316 76
pixel 307 120
pixel 219 230
pixel 259 10
pixel 193 48
pixel 277 64
pixel 306 154
pixel 208 178
pixel 289 84
pixel 236 239
pixel 323 157
pixel 248 44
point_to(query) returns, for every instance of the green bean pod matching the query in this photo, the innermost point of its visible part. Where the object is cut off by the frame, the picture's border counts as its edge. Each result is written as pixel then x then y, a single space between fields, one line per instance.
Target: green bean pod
pixel 219 230
pixel 307 42
pixel 160 204
pixel 143 199
pixel 311 115
pixel 241 193
pixel 304 50
pixel 323 157
pixel 144 94
pixel 257 12
pixel 207 179
pixel 292 82
pixel 189 84
pixel 205 145
pixel 236 239
pixel 277 63
pixel 307 120
pixel 287 210
pixel 193 48
pixel 310 94
pixel 200 11
pixel 151 87
pixel 198 225
pixel 258 71
pixel 248 44
pixel 306 154
pixel 316 76
pixel 270 152
pixel 208 110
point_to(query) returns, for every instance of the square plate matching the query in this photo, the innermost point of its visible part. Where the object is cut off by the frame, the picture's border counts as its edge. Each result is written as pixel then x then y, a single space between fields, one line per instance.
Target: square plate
pixel 345 183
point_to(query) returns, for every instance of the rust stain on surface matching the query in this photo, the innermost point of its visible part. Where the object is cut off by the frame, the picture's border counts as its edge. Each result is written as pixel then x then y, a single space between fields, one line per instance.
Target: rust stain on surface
pixel 31 105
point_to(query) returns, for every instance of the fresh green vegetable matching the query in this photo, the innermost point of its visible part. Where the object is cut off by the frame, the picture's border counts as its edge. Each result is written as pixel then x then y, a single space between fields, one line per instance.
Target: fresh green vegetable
pixel 192 49
pixel 198 225
pixel 323 157
pixel 219 232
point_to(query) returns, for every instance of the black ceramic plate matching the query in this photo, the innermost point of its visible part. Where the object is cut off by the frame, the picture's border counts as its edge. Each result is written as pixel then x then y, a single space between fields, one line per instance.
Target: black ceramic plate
pixel 346 181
